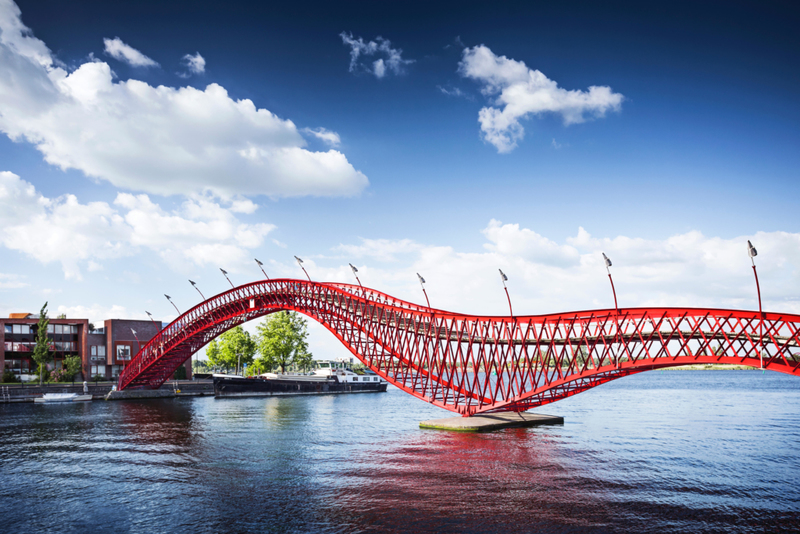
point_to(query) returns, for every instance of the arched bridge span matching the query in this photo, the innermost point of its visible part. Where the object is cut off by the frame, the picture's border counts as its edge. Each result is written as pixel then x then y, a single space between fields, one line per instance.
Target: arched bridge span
pixel 475 364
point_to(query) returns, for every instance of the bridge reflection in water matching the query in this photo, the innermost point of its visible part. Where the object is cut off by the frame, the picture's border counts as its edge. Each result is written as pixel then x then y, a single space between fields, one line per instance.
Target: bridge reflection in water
pixel 477 364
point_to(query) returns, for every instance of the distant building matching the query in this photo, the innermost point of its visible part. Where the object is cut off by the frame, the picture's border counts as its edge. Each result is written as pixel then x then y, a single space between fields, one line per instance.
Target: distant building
pixel 104 351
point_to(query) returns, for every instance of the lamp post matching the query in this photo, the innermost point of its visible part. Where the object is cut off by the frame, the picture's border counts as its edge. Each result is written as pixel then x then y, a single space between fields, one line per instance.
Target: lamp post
pixel 300 263
pixel 261 266
pixel 752 252
pixel 614 291
pixel 504 278
pixel 422 284
pixel 616 306
pixel 355 273
pixel 173 304
pixel 198 289
pixel 225 274
pixel 153 321
pixel 238 361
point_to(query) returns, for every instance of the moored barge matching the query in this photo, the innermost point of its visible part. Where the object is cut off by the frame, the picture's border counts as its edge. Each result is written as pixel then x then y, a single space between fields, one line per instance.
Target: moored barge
pixel 328 379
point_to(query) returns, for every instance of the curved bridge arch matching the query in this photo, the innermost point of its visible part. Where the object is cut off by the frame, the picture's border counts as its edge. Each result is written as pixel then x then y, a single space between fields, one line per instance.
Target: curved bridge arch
pixel 476 364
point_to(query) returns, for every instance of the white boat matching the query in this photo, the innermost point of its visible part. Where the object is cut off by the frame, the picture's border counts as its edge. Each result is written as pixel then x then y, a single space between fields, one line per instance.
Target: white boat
pixel 63 397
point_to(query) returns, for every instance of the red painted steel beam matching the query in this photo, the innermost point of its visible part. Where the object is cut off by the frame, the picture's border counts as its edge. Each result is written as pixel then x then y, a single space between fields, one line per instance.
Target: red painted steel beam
pixel 477 364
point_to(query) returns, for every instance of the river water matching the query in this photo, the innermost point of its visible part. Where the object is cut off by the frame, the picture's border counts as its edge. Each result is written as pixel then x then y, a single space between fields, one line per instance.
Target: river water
pixel 668 451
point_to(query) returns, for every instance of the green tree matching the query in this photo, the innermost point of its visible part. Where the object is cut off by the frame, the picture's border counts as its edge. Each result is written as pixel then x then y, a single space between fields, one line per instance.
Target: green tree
pixel 41 352
pixel 213 354
pixel 225 350
pixel 71 366
pixel 282 341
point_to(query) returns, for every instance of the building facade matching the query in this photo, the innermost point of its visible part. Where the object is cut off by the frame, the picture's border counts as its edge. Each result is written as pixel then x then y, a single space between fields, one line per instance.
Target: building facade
pixel 104 352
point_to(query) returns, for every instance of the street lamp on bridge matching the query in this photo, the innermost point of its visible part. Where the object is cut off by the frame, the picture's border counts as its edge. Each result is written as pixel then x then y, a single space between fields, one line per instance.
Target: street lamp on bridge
pixel 504 278
pixel 225 274
pixel 261 266
pixel 198 289
pixel 173 304
pixel 752 252
pixel 614 291
pixel 355 273
pixel 152 320
pixel 422 283
pixel 300 263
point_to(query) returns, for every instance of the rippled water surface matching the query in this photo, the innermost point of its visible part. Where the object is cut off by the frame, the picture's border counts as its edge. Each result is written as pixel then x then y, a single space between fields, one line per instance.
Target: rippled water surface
pixel 675 451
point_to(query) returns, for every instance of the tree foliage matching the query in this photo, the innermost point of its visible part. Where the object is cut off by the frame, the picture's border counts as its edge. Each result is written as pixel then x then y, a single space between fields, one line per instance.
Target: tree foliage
pixel 282 342
pixel 224 351
pixel 41 352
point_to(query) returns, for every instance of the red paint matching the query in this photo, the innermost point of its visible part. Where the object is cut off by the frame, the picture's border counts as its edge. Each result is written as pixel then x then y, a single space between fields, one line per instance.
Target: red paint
pixel 431 353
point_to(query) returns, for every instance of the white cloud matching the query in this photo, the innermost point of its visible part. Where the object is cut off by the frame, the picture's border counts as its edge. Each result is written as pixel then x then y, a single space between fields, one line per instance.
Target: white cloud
pixel 195 63
pixel 97 313
pixel 519 91
pixel 79 235
pixel 12 281
pixel 126 53
pixel 332 138
pixel 549 276
pixel 391 62
pixel 160 140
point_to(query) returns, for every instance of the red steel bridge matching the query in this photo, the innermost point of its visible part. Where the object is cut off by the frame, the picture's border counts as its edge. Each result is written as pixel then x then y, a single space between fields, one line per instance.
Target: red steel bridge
pixel 473 364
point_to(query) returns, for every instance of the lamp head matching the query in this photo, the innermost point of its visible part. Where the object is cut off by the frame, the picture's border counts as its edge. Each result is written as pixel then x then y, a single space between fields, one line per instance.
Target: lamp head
pixel 223 271
pixel 503 275
pixel 258 262
pixel 353 267
pixel 608 262
pixel 751 250
pixel 168 297
pixel 195 285
pixel 298 260
pixel 148 314
pixel 421 280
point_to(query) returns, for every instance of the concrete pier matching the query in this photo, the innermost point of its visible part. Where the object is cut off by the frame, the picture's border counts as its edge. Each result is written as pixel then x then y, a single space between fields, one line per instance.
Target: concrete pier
pixel 494 421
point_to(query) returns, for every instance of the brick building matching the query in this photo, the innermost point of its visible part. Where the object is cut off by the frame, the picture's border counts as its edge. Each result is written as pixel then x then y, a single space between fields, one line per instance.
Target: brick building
pixel 104 351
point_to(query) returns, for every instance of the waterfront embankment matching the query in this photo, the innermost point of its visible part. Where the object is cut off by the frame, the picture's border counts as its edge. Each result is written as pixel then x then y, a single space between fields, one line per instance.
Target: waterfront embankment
pixel 10 393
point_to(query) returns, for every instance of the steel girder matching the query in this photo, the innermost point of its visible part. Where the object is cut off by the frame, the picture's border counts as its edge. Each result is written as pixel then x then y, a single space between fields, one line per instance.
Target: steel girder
pixel 476 364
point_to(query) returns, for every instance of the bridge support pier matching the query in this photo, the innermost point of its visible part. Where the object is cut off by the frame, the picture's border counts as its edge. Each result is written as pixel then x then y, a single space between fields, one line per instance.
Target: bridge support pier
pixel 492 421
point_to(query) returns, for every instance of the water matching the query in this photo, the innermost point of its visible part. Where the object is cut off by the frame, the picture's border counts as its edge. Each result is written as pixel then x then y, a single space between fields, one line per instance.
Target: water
pixel 676 451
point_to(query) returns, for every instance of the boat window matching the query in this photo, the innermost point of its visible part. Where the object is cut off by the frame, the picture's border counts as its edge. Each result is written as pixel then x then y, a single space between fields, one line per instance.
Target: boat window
pixel 375 379
pixel 355 379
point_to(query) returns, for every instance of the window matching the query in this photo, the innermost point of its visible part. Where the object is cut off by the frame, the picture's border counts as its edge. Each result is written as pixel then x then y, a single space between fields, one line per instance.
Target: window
pixel 98 370
pixel 8 346
pixel 98 353
pixel 116 370
pixel 9 329
pixel 22 329
pixel 59 329
pixel 375 379
pixel 123 352
pixel 51 328
pixel 355 379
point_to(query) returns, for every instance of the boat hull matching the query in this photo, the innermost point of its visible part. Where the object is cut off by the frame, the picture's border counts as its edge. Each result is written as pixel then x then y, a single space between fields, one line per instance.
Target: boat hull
pixel 257 387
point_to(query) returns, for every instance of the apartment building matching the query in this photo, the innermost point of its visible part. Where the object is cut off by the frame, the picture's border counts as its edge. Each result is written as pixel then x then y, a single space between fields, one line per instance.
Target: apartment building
pixel 104 351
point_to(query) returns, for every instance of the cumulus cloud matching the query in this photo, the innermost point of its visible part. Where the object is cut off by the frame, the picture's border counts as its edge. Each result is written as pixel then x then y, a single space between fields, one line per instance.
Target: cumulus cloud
pixel 159 140
pixel 327 136
pixel 84 235
pixel 389 60
pixel 97 313
pixel 518 91
pixel 195 64
pixel 126 53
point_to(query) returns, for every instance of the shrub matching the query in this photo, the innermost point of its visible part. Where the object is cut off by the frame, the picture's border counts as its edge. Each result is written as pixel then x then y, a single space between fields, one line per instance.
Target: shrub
pixel 9 377
pixel 180 374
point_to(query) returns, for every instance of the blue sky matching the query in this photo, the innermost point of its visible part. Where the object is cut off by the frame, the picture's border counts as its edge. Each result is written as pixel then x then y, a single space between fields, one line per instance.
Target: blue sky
pixel 474 143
